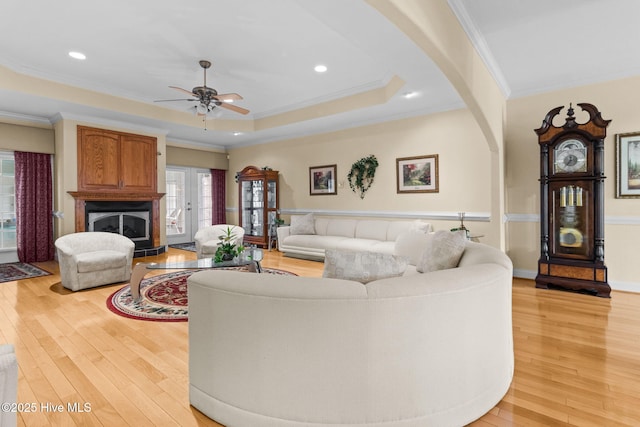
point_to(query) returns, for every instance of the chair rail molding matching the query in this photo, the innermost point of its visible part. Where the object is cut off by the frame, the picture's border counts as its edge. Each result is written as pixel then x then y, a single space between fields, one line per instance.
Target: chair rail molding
pixel 609 220
pixel 468 216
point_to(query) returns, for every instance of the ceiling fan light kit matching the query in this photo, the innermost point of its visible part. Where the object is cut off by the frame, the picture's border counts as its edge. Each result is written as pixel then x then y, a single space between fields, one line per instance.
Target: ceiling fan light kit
pixel 208 98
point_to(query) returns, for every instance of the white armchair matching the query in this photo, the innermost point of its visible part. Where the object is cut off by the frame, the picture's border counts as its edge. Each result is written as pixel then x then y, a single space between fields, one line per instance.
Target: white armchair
pixel 8 384
pixel 207 238
pixel 95 258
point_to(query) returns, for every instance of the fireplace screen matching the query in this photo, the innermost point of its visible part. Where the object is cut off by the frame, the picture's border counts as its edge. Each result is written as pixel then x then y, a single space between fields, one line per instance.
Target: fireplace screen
pixel 132 219
pixel 134 225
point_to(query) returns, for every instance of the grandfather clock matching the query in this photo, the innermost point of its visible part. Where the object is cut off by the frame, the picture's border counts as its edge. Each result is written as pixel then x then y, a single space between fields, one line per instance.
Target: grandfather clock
pixel 572 203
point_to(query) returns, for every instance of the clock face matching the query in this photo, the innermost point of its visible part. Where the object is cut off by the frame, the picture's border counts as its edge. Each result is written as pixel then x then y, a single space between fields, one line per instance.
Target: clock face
pixel 570 156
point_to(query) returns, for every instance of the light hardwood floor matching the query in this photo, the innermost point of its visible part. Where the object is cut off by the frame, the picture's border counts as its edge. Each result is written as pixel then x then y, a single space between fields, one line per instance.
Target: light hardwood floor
pixel 577 357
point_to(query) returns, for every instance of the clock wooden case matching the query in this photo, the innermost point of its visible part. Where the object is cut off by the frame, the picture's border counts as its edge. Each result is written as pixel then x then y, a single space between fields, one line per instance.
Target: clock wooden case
pixel 572 203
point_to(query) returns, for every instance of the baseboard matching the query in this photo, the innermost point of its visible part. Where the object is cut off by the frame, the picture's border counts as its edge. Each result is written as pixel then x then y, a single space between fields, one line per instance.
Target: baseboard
pixel 615 285
pixel 302 256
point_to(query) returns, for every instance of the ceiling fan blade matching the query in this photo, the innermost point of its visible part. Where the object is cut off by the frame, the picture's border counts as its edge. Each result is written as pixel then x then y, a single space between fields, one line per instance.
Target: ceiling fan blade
pixel 228 96
pixel 181 99
pixel 233 108
pixel 182 90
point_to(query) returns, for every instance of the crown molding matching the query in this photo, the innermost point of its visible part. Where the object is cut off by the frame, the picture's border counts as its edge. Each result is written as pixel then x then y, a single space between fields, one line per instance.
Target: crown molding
pixel 24 118
pixel 183 143
pixel 480 44
pixel 108 122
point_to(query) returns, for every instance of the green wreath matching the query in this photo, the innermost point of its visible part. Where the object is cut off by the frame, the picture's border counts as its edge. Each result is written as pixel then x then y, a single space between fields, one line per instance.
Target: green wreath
pixel 362 173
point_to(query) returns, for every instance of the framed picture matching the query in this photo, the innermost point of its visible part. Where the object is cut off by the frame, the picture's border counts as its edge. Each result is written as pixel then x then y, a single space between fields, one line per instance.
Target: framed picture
pixel 417 174
pixel 322 180
pixel 628 165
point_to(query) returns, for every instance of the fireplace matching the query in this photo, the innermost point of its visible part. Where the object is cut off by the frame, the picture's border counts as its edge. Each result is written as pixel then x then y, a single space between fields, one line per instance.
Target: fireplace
pixel 131 219
pixel 125 207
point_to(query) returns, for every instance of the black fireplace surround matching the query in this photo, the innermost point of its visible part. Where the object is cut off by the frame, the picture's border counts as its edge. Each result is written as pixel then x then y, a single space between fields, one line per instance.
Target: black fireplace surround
pixel 132 219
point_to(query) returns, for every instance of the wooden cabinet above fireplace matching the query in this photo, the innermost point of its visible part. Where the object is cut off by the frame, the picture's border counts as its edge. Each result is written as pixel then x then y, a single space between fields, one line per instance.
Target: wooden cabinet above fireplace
pixel 110 161
pixel 116 167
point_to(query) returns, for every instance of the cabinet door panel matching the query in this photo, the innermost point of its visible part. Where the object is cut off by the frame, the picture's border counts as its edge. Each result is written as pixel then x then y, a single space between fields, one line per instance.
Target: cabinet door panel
pixel 98 160
pixel 138 167
pixel 258 200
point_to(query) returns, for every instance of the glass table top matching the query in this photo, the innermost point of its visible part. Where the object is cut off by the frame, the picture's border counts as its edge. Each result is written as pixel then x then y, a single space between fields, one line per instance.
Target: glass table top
pixel 246 258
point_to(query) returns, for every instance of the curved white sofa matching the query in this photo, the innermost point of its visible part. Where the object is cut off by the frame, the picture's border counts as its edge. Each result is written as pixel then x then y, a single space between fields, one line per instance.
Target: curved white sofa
pixel 431 349
pixel 374 235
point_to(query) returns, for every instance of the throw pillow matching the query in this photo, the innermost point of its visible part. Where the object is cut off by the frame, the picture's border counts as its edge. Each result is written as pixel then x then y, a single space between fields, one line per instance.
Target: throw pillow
pixel 303 224
pixel 411 244
pixel 420 226
pixel 443 250
pixel 363 267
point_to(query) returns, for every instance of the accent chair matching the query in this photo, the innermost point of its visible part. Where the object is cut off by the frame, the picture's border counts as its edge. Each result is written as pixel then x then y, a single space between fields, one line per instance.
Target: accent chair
pixel 94 258
pixel 207 238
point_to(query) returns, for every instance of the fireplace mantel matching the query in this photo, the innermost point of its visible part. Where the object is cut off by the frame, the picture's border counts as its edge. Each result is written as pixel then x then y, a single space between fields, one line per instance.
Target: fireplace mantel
pixel 105 196
pixel 115 195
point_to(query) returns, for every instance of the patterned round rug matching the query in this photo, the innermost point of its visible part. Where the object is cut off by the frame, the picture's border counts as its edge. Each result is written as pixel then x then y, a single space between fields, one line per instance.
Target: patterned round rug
pixel 164 297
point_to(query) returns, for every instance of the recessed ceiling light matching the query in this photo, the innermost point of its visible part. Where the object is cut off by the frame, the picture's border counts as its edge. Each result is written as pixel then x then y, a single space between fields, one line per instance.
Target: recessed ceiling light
pixel 237 133
pixel 410 95
pixel 77 55
pixel 320 68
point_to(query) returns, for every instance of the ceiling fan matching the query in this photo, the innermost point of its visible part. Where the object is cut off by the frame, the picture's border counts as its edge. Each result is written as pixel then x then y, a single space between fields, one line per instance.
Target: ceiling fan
pixel 208 98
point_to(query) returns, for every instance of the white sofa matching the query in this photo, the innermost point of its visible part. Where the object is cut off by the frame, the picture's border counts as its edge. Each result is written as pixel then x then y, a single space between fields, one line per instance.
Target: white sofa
pixel 93 258
pixel 342 233
pixel 432 349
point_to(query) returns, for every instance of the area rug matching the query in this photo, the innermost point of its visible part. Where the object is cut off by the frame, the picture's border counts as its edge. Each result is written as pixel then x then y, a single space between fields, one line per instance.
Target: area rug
pixel 164 297
pixel 19 270
pixel 185 246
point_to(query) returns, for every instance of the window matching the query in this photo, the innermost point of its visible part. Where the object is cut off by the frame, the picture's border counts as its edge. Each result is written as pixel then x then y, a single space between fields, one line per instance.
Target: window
pixel 7 201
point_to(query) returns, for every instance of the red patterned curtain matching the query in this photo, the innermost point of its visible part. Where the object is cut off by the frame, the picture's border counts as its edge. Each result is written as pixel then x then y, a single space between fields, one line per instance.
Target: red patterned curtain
pixel 34 220
pixel 218 196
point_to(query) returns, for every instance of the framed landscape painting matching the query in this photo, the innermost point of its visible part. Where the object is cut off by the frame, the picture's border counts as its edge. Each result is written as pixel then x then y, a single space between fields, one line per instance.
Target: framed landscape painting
pixel 417 174
pixel 628 165
pixel 322 180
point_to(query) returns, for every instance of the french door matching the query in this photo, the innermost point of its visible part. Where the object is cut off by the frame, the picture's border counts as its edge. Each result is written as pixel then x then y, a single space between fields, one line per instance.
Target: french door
pixel 188 198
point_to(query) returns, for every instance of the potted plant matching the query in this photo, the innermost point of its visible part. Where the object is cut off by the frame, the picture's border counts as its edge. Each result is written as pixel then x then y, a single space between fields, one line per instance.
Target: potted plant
pixel 361 175
pixel 227 248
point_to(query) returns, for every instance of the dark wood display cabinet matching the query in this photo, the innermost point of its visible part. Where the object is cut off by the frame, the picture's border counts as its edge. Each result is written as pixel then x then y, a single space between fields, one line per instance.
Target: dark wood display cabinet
pixel 572 203
pixel 258 200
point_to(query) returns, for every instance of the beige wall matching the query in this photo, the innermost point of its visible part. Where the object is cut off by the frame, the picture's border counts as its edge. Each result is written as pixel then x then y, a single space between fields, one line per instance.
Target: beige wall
pixel 464 170
pixel 433 28
pixel 616 101
pixel 206 159
pixel 31 139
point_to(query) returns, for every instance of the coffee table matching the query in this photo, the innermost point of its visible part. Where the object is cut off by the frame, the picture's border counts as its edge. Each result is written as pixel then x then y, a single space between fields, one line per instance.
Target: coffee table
pixel 250 258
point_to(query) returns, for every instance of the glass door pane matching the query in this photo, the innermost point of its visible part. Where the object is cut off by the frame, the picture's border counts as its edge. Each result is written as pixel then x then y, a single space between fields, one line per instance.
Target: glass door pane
pixel 271 195
pixel 252 207
pixel 7 202
pixel 189 203
pixel 176 202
